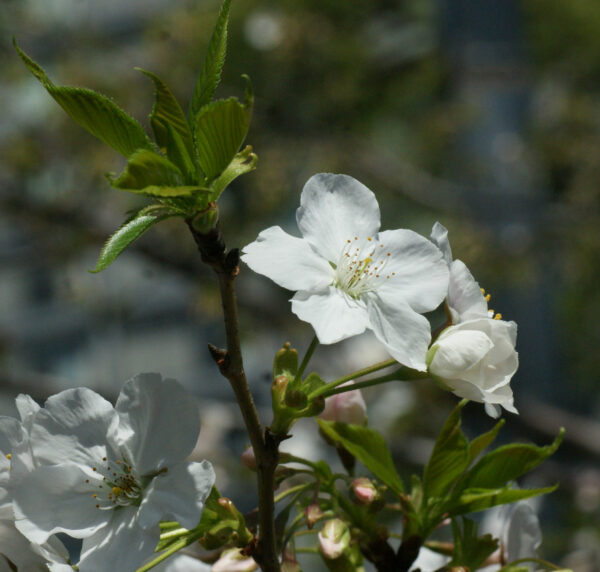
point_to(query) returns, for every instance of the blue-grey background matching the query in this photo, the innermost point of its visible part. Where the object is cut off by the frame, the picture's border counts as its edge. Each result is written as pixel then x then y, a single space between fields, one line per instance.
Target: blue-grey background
pixel 484 115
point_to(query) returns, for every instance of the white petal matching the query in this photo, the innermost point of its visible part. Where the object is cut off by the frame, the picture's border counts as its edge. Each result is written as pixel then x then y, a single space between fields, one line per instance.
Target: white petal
pixel 72 427
pixel 458 351
pixel 119 546
pixel 464 294
pixel 493 410
pixel 11 435
pixel 523 535
pixel 418 273
pixel 334 209
pixel 57 499
pixel 439 237
pixel 27 408
pixel 333 314
pixel 404 333
pixel 177 495
pixel 288 261
pixel 158 422
pixel 18 549
pixel 502 396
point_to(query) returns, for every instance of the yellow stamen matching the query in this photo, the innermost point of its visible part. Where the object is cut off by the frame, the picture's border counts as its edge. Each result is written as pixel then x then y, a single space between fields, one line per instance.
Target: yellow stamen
pixel 488 297
pixel 9 456
pixel 498 316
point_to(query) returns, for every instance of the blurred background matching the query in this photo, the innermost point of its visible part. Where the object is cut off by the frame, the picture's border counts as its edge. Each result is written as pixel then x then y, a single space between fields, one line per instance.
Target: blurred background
pixel 481 114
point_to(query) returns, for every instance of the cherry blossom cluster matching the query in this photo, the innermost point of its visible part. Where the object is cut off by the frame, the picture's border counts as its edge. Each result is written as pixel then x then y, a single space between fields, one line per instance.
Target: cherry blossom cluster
pixel 350 277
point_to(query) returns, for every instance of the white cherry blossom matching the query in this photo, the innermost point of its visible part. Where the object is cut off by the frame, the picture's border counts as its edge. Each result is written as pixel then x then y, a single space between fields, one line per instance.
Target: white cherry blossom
pixel 108 475
pixel 475 356
pixel 349 276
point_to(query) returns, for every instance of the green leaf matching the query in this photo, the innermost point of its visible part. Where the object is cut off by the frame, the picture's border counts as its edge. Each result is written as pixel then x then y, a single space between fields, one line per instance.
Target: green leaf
pixel 478 444
pixel 497 468
pixel 244 162
pixel 470 550
pixel 473 500
pixel 210 75
pixel 449 459
pixel 179 154
pixel 311 383
pixel 94 112
pixel 219 130
pixel 132 229
pixel 148 173
pixel 169 124
pixel 369 447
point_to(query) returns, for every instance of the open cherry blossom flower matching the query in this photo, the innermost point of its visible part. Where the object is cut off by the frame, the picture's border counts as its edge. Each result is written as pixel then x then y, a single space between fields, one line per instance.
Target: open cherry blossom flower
pixel 348 276
pixel 109 475
pixel 475 356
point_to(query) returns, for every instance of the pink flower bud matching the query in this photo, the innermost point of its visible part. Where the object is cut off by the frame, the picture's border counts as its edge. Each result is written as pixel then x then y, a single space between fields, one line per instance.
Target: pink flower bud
pixel 334 538
pixel 233 560
pixel 248 459
pixel 348 407
pixel 364 490
pixel 312 514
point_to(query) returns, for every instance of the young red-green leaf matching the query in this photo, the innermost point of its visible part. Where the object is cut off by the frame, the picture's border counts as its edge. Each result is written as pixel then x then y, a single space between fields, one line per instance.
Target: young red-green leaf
pixel 243 162
pixel 132 229
pixel 369 447
pixel 219 130
pixel 473 500
pixel 210 75
pixel 94 112
pixel 167 114
pixel 450 457
pixel 148 173
pixel 499 467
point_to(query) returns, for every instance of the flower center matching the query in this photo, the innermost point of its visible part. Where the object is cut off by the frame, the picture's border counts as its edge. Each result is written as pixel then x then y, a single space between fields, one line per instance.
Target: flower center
pixel 118 485
pixel 360 267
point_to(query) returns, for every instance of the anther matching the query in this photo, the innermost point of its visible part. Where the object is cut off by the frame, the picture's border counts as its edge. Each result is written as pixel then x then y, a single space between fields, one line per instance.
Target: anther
pixel 8 456
pixel 498 316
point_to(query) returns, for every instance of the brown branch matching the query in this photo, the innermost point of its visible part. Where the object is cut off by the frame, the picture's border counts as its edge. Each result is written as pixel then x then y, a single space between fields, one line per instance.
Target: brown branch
pixel 230 363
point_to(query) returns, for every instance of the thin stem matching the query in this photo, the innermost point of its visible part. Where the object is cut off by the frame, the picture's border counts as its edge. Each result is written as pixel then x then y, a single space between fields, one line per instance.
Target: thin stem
pixel 264 443
pixel 309 352
pixel 351 376
pixel 370 382
pixel 175 547
pixel 289 458
pixel 174 533
pixel 292 490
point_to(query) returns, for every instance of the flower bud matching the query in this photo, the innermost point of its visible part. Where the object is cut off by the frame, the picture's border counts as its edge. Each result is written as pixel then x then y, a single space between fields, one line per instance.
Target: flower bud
pixel 248 459
pixel 312 513
pixel 334 538
pixel 365 491
pixel 288 562
pixel 233 560
pixel 348 407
